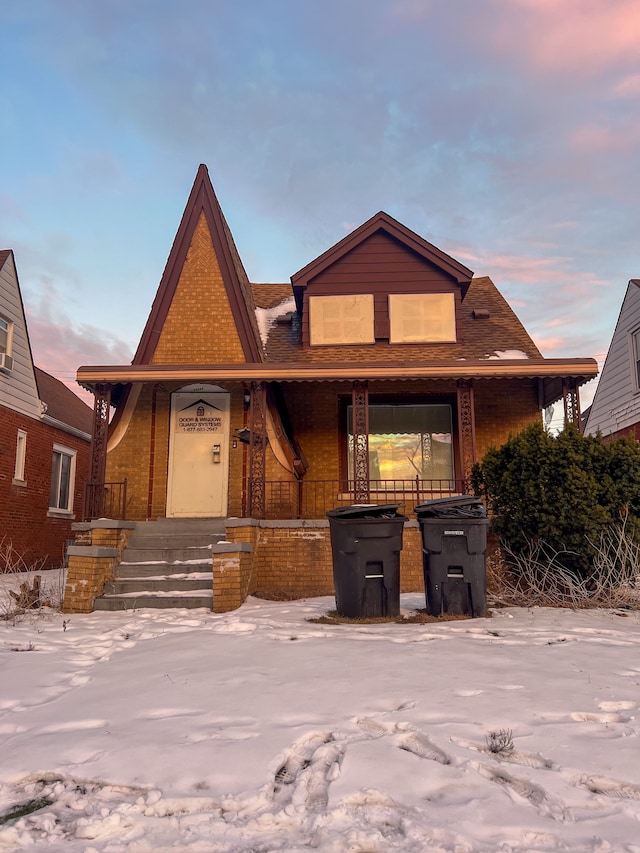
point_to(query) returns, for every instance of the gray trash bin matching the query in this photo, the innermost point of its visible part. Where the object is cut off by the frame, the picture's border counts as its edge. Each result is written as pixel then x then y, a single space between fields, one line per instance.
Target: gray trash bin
pixel 454 545
pixel 366 541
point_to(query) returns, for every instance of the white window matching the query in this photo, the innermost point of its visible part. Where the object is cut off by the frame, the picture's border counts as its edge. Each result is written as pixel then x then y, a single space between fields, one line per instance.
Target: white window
pixel 341 319
pixel 5 335
pixel 21 455
pixel 635 358
pixel 63 473
pixel 422 318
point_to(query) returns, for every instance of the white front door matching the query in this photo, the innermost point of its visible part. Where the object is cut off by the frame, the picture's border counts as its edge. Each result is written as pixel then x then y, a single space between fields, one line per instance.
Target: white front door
pixel 198 453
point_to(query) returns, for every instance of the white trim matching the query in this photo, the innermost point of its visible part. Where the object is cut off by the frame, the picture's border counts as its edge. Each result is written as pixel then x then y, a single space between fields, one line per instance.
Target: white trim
pixel 66 451
pixel 21 456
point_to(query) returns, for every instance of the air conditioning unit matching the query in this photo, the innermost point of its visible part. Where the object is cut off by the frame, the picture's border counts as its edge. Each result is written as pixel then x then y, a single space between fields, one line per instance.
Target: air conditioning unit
pixel 6 362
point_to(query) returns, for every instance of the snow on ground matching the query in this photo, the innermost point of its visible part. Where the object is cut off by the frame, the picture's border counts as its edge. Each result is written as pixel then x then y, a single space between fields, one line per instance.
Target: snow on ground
pixel 260 731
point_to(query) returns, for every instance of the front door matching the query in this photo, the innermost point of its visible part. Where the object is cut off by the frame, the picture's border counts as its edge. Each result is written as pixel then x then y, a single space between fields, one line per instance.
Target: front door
pixel 198 453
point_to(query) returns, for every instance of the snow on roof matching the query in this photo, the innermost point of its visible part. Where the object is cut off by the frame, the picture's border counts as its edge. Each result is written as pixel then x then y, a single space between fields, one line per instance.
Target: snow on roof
pixel 267 317
pixel 507 354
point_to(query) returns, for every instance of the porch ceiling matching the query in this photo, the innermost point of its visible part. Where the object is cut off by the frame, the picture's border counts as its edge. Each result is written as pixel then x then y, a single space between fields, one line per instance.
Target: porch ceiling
pixel 550 370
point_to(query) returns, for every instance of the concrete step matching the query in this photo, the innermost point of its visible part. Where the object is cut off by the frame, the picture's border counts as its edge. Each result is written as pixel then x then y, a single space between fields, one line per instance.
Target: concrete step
pixel 174 540
pixel 180 526
pixel 161 569
pixel 127 585
pixel 136 601
pixel 164 555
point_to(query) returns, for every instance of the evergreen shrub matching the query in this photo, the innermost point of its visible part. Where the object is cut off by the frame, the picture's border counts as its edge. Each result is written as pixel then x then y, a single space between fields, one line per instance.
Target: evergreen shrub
pixel 563 490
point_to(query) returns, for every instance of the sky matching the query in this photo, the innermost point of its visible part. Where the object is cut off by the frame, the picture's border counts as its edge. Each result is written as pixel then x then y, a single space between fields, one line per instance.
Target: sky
pixel 269 743
pixel 506 132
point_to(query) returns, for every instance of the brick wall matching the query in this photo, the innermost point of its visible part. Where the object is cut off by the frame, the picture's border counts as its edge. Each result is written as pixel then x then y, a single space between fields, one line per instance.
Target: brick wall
pixel 199 328
pixel 24 519
pixel 502 409
pixel 294 560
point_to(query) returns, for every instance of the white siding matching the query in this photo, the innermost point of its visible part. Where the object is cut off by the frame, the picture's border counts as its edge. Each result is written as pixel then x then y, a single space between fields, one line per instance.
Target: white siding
pixel 17 389
pixel 616 404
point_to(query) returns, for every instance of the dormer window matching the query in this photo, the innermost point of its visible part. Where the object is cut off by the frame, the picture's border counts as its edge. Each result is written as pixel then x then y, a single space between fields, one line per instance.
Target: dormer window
pixel 341 319
pixel 417 318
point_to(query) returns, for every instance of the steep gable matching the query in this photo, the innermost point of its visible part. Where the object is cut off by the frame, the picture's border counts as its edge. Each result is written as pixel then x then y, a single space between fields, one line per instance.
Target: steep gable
pixel 18 389
pixel 203 311
pixel 616 404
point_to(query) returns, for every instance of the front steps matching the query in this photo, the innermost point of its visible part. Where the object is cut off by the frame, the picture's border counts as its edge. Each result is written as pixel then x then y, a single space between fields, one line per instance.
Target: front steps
pixel 167 564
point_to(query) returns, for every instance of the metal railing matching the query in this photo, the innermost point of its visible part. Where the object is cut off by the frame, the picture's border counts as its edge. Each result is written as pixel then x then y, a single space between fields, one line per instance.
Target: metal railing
pixel 105 500
pixel 312 498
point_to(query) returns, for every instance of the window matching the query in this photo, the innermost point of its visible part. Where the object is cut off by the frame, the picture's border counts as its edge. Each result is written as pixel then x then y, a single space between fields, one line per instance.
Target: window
pixel 63 470
pixel 341 319
pixel 5 336
pixel 422 318
pixel 635 357
pixel 406 442
pixel 21 455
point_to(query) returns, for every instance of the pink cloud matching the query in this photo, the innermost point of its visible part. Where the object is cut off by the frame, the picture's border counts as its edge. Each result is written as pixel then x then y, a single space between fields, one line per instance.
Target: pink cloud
pixel 628 87
pixel 581 36
pixel 525 269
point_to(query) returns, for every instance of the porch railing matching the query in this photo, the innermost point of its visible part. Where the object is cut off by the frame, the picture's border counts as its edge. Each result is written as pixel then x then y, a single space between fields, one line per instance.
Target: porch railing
pixel 312 498
pixel 105 500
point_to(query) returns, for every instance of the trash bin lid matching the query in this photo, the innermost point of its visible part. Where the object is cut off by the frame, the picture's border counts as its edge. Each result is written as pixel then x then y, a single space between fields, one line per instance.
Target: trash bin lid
pixel 456 506
pixel 366 511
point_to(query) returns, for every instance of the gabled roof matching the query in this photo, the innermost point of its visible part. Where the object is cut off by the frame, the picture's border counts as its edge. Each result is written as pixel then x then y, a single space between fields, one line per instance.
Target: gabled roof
pixel 202 200
pixel 381 222
pixel 62 404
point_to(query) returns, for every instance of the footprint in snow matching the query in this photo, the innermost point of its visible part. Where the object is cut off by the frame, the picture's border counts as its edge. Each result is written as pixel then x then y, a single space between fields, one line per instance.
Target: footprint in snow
pixel 420 745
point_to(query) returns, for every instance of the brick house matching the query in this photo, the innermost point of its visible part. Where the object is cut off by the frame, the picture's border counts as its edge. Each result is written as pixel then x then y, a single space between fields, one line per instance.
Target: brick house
pixel 45 434
pixel 379 374
pixel 615 411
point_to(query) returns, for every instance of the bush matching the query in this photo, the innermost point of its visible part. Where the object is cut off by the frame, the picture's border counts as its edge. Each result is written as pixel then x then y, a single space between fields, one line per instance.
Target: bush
pixel 562 490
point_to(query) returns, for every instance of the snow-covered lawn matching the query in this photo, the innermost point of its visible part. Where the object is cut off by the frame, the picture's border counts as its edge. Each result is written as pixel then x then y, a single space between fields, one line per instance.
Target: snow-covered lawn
pixel 260 731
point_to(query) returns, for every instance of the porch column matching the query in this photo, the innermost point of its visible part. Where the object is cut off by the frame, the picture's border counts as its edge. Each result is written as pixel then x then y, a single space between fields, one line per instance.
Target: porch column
pixel 95 492
pixel 257 449
pixel 360 430
pixel 571 399
pixel 466 425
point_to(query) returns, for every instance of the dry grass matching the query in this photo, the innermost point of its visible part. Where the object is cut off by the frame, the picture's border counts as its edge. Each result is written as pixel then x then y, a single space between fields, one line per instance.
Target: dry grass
pixel 537 578
pixel 21 589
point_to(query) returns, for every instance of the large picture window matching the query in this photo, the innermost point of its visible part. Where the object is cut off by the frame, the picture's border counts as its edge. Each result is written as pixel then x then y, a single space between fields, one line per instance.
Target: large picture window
pixel 407 441
pixel 63 471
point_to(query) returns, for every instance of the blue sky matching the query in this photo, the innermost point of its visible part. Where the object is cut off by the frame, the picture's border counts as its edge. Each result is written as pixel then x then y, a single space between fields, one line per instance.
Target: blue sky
pixel 507 132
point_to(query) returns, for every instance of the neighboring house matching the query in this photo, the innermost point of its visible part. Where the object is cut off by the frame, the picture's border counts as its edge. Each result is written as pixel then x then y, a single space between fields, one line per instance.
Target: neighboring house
pixel 45 434
pixel 381 373
pixel 615 410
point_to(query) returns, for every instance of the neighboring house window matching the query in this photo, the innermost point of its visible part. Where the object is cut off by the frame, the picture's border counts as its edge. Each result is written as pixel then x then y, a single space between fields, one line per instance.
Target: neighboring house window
pixel 422 318
pixel 63 471
pixel 6 333
pixel 21 455
pixel 341 319
pixel 635 355
pixel 5 336
pixel 406 442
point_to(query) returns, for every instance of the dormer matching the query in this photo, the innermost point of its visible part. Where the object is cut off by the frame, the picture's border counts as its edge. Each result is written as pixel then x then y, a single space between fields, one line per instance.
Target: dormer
pixel 381 283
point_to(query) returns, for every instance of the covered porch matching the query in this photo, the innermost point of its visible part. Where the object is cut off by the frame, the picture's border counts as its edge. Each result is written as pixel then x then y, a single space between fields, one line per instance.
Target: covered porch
pixel 377 409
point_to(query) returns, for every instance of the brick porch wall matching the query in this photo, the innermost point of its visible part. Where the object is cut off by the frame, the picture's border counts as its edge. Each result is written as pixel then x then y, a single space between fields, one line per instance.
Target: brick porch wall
pixel 292 559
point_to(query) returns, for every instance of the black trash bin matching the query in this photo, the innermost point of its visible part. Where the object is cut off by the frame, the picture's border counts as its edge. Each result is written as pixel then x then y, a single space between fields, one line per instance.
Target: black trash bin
pixel 454 545
pixel 366 541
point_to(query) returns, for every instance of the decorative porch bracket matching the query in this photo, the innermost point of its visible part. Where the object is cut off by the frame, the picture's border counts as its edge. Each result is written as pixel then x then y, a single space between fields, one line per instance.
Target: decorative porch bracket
pixel 360 430
pixel 466 425
pixel 94 507
pixel 257 449
pixel 571 399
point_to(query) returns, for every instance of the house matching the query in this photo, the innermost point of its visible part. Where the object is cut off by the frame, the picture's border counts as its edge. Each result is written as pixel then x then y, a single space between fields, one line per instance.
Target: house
pixel 615 410
pixel 379 374
pixel 45 435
